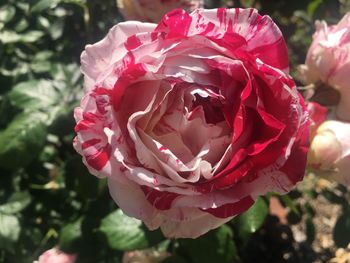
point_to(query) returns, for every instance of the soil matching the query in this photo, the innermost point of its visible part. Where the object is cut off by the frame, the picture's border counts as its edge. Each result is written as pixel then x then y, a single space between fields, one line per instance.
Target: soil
pixel 307 239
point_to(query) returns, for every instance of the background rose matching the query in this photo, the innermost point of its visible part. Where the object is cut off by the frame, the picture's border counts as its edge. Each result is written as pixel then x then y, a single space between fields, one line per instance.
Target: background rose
pixel 191 119
pixel 153 10
pixel 54 255
pixel 330 150
pixel 328 60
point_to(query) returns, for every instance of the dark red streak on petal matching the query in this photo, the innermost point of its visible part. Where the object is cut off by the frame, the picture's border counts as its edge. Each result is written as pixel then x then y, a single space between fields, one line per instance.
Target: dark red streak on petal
pixel 83 125
pixel 159 199
pixel 100 158
pixel 175 23
pixel 90 143
pixel 232 209
pixel 132 43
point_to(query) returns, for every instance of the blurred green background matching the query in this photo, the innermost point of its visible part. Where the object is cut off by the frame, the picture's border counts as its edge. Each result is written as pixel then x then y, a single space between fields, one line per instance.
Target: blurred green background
pixel 47 197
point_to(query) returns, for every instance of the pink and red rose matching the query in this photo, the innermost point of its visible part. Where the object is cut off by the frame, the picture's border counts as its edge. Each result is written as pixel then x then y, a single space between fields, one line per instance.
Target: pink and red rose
pixel 192 119
pixel 328 60
pixel 54 255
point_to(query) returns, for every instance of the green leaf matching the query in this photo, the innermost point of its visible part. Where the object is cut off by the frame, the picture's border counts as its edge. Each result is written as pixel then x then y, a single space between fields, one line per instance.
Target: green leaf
pixel 40 66
pixel 7 37
pixel 311 8
pixel 341 231
pixel 289 202
pixel 16 203
pixel 56 29
pixel 70 236
pixel 43 55
pixel 126 233
pixel 44 22
pixel 34 95
pixel 21 25
pixel 31 36
pixel 250 221
pixel 22 140
pixel 9 231
pixel 215 246
pixel 310 230
pixel 334 198
pixel 7 12
pixel 44 4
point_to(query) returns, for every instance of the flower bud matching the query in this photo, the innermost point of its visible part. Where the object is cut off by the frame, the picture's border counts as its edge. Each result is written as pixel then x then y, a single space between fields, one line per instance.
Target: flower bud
pixel 330 150
pixel 324 151
pixel 54 255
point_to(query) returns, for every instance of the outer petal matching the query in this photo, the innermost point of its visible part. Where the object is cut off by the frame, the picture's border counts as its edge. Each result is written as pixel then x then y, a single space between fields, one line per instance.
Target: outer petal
pixel 245 28
pixel 173 223
pixel 98 58
pixel 193 228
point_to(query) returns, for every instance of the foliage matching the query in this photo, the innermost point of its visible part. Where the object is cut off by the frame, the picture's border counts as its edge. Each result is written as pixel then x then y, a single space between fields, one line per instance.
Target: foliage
pixel 47 197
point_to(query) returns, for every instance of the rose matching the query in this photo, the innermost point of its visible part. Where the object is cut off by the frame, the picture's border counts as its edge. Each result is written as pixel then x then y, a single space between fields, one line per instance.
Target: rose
pixel 54 255
pixel 192 119
pixel 153 10
pixel 330 150
pixel 328 60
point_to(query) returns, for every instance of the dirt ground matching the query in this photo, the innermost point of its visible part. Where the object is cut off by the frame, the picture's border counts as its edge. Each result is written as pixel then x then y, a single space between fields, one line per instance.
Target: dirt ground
pixel 307 239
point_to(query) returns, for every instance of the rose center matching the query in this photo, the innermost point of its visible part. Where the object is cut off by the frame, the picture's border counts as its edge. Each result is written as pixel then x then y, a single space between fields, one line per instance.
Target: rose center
pixel 212 108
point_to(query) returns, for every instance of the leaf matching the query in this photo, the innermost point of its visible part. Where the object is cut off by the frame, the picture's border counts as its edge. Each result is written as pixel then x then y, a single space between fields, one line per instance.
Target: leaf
pixel 295 218
pixel 70 236
pixel 341 231
pixel 7 12
pixel 43 5
pixel 289 202
pixel 9 231
pixel 250 221
pixel 56 29
pixel 215 246
pixel 21 25
pixel 31 36
pixel 312 7
pixel 40 66
pixel 16 203
pixel 310 230
pixel 34 95
pixel 44 22
pixel 22 140
pixel 126 233
pixel 43 55
pixel 7 37
pixel 334 198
